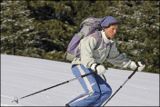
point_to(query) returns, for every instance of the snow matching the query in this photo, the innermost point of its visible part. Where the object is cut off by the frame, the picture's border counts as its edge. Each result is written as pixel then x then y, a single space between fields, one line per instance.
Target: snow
pixel 21 76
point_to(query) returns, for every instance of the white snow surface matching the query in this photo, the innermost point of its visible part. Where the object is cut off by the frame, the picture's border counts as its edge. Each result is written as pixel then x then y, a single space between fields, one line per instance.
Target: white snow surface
pixel 21 76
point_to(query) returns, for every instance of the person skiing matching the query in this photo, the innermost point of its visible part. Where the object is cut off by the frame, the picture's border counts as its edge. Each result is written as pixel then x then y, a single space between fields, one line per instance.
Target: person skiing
pixel 94 50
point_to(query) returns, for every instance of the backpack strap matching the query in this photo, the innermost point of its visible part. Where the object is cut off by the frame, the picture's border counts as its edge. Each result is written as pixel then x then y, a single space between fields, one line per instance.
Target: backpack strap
pixel 110 46
pixel 98 36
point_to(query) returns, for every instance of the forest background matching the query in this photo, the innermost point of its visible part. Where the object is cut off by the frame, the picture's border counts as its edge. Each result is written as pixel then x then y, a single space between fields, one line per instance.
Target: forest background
pixel 43 28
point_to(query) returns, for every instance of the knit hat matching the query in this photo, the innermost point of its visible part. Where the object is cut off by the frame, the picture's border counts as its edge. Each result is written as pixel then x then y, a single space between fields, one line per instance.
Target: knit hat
pixel 107 21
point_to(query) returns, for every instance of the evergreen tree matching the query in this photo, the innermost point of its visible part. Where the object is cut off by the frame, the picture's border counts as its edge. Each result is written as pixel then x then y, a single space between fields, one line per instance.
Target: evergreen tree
pixel 43 28
pixel 17 30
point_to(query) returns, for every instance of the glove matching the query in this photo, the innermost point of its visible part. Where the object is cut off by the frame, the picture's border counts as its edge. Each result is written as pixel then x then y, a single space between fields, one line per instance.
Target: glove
pixel 133 65
pixel 99 69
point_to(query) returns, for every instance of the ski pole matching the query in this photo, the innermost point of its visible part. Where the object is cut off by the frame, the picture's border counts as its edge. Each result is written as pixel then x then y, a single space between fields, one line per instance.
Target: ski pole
pixel 17 99
pixel 120 87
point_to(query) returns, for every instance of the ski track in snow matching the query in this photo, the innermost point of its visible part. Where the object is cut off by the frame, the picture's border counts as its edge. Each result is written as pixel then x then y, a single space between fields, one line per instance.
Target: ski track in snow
pixel 21 76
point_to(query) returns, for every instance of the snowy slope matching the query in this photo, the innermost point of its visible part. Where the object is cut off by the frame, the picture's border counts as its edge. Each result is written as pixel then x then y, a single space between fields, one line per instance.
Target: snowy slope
pixel 23 75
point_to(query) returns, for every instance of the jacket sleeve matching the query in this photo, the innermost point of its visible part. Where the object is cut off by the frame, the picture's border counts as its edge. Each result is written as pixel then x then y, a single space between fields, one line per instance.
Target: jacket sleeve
pixel 87 46
pixel 116 58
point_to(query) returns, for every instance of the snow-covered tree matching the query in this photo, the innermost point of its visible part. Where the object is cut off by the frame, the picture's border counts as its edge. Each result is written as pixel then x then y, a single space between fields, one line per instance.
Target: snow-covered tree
pixel 17 29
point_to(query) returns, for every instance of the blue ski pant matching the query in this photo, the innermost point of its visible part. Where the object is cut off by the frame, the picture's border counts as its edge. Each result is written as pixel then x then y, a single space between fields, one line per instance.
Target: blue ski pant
pixel 96 89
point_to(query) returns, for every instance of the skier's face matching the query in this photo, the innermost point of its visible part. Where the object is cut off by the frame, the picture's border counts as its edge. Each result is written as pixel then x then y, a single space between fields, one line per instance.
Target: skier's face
pixel 111 31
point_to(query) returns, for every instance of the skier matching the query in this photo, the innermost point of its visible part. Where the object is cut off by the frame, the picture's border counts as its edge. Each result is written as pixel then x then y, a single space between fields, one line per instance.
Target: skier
pixel 94 50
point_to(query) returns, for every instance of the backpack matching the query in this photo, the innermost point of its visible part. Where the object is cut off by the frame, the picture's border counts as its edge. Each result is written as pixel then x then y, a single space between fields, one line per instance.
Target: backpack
pixel 87 27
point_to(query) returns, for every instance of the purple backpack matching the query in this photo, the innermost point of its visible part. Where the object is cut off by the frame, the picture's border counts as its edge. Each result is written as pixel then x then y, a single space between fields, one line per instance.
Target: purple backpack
pixel 88 26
